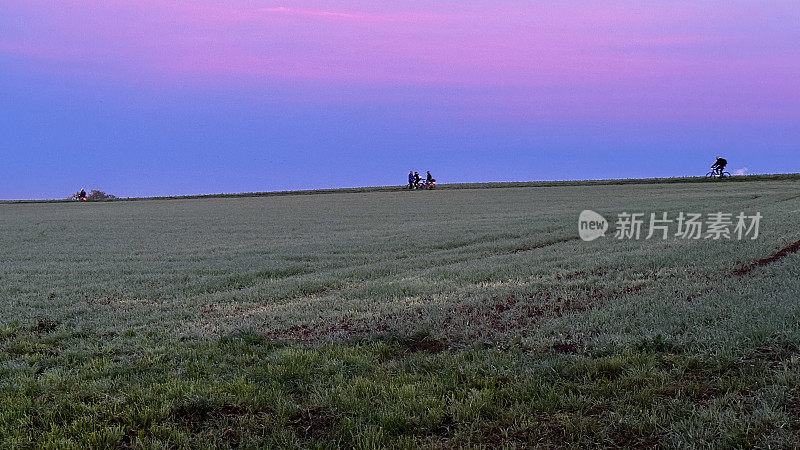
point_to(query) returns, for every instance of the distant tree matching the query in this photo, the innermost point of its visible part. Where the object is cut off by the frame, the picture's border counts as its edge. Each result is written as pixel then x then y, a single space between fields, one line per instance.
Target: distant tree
pixel 99 195
pixel 94 195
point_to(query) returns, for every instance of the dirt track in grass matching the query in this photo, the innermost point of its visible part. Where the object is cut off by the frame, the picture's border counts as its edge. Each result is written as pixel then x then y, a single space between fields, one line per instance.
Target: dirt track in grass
pixel 777 256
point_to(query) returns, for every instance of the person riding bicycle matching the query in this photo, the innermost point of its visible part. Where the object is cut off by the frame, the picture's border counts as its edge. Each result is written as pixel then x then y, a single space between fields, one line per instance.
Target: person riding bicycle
pixel 720 164
pixel 429 182
pixel 82 195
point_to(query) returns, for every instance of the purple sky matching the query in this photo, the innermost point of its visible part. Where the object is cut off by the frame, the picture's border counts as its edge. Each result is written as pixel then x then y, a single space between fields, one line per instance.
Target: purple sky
pixel 158 97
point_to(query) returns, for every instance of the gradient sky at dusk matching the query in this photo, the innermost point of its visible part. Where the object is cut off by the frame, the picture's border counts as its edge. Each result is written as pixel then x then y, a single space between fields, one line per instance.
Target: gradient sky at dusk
pixel 161 97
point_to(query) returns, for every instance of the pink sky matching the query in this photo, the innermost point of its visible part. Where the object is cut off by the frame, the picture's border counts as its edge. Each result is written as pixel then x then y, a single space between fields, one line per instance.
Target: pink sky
pixel 498 43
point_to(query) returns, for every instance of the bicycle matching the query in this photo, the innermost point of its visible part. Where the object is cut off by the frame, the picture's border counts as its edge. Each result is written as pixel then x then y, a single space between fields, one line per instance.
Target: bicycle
pixel 717 172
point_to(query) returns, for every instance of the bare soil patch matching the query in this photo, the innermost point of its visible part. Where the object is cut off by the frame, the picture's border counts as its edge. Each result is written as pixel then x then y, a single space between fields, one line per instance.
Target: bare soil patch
pixel 45 325
pixel 222 421
pixel 774 355
pixel 313 422
pixel 345 328
pixel 567 348
pixel 425 344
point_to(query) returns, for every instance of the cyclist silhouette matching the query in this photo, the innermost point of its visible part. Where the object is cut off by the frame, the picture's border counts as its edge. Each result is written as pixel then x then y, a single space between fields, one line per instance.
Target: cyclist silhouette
pixel 720 164
pixel 717 169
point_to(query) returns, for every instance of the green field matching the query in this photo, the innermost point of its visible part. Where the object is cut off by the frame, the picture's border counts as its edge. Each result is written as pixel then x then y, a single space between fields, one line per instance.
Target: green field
pixel 391 318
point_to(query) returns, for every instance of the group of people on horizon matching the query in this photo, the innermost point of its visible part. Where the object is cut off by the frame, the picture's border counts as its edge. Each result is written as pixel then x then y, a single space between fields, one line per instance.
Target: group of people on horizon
pixel 415 181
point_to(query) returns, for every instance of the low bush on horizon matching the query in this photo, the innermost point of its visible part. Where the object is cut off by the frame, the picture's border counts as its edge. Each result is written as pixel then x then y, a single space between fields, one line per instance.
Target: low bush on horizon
pixel 94 195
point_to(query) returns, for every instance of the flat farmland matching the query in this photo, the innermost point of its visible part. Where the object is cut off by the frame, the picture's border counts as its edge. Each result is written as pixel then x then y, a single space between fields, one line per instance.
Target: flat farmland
pixel 393 318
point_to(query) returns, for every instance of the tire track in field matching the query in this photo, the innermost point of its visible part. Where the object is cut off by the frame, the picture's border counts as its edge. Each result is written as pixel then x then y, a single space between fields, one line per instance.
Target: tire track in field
pixel 496 316
pixel 789 198
pixel 440 253
pixel 545 244
pixel 777 256
pixel 351 280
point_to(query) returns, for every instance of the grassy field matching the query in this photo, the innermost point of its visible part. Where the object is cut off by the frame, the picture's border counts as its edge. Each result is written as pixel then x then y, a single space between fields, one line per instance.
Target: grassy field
pixel 389 318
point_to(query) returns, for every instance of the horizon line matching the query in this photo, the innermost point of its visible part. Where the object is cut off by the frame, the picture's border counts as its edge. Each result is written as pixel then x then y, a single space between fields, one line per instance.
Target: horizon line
pixel 445 186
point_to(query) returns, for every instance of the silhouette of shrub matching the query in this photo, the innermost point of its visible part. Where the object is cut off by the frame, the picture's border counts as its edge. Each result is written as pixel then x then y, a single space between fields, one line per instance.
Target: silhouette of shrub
pixel 94 195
